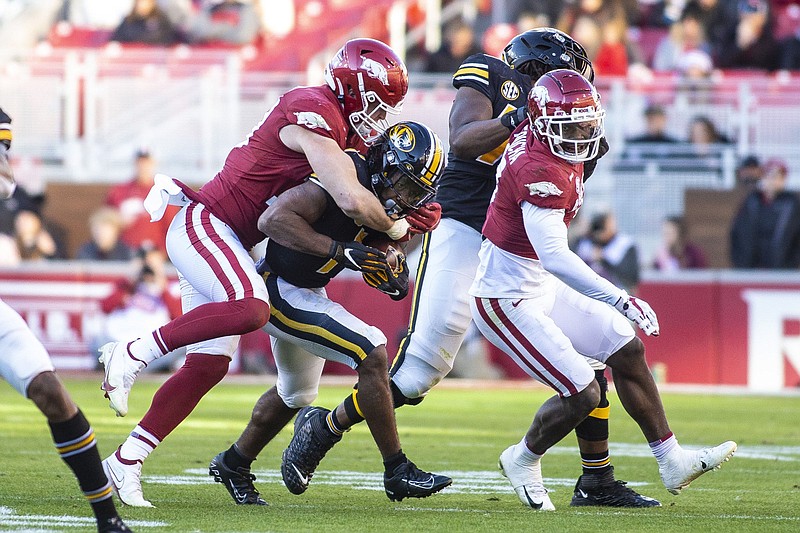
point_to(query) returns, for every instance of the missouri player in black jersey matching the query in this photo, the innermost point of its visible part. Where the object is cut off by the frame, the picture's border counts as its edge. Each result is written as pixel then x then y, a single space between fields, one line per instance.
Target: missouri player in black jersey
pixel 311 241
pixel 490 103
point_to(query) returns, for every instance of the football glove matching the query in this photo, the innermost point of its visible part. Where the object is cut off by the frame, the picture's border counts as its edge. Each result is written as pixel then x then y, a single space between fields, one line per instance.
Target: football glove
pixel 514 118
pixel 425 218
pixel 640 312
pixel 589 166
pixel 5 129
pixel 356 256
pixel 394 283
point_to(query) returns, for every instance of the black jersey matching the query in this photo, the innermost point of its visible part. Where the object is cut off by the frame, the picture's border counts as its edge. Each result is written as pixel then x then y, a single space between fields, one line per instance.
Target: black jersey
pixel 311 271
pixel 466 185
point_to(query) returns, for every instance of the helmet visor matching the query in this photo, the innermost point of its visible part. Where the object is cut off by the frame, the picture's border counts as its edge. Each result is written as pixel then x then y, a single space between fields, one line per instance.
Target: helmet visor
pixel 404 191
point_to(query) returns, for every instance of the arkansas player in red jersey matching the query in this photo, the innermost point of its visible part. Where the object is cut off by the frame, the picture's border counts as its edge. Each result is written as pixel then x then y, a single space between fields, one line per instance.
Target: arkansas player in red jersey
pixel 542 305
pixel 223 296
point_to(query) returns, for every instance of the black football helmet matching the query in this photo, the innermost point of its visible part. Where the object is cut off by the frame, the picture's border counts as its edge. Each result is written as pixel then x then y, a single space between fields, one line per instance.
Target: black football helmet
pixel 405 165
pixel 541 50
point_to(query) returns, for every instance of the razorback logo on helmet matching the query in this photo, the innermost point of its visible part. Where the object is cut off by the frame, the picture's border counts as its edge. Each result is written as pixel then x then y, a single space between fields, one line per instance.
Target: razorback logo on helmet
pixel 540 96
pixel 375 70
pixel 543 189
pixel 311 120
pixel 403 138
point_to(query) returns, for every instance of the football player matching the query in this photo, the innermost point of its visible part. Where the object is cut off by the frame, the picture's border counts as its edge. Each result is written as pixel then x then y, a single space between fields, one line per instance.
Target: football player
pixel 25 364
pixel 543 306
pixel 311 241
pixel 490 102
pixel 223 296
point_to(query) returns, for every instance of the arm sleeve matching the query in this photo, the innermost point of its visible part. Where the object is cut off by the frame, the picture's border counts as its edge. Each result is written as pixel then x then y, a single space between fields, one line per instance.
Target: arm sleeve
pixel 548 235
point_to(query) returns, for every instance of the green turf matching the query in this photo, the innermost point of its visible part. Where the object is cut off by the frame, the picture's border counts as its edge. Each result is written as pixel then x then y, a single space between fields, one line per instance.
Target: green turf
pixel 455 431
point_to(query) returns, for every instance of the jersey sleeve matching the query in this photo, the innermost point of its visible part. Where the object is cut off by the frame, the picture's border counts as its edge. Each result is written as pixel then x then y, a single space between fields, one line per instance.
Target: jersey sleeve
pixel 474 73
pixel 5 129
pixel 543 187
pixel 314 114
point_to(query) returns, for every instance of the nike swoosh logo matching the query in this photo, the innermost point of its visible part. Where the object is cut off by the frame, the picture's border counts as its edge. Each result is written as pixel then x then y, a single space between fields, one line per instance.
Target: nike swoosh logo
pixel 427 484
pixel 241 498
pixel 347 253
pixel 393 293
pixel 514 304
pixel 533 504
pixel 303 478
pixel 106 387
pixel 583 494
pixel 117 481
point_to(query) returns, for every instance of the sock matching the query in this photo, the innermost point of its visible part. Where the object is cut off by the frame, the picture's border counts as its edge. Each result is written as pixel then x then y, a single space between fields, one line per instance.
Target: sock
pixel 352 409
pixel 663 446
pixel 139 444
pixel 333 424
pixel 523 455
pixel 596 464
pixel 179 395
pixel 147 349
pixel 75 442
pixel 234 459
pixel 393 461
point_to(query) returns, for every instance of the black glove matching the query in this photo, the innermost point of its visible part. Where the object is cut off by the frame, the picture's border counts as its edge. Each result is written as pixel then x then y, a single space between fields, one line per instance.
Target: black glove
pixel 393 283
pixel 589 166
pixel 356 256
pixel 5 129
pixel 514 118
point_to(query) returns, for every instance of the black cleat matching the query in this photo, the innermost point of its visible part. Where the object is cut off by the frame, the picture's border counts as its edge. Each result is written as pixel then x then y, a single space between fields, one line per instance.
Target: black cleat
pixel 408 481
pixel 311 441
pixel 605 491
pixel 239 482
pixel 112 525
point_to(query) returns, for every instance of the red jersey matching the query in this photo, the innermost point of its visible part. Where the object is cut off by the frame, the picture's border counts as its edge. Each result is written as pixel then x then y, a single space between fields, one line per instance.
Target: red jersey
pixel 262 167
pixel 529 172
pixel 138 230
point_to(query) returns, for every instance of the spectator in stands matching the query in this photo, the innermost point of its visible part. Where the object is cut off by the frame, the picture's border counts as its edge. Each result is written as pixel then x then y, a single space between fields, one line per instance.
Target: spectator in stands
pixel 34 240
pixel 144 302
pixel 766 231
pixel 459 44
pixel 611 254
pixel 528 20
pixel 748 173
pixel 20 200
pixel 655 142
pixel 105 226
pixel 753 44
pixel 719 19
pixel 676 251
pixel 685 36
pixel 706 142
pixel 127 198
pixel 233 22
pixel 146 24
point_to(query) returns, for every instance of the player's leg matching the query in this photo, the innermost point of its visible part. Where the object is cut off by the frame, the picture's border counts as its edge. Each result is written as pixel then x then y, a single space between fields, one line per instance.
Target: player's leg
pixel 211 260
pixel 308 319
pixel 298 382
pixel 27 367
pixel 604 335
pixel 523 330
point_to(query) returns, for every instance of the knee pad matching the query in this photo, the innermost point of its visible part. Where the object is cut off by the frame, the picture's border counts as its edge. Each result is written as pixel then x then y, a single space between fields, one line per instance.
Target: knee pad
pixel 414 378
pixel 299 399
pixel 399 399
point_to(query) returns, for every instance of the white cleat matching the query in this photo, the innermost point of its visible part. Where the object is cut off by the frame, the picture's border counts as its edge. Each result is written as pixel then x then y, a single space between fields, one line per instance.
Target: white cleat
pixel 527 481
pixel 684 466
pixel 120 373
pixel 126 480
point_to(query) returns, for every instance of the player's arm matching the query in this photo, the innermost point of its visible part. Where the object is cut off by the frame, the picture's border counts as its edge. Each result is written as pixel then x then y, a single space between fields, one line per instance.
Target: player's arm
pixel 288 219
pixel 548 235
pixel 7 183
pixel 473 131
pixel 336 172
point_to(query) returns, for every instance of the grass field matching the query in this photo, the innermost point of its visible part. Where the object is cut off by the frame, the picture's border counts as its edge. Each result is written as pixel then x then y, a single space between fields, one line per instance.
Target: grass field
pixel 456 431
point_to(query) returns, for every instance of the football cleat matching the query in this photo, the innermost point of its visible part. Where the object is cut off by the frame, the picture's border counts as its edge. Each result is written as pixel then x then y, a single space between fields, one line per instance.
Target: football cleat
pixel 408 481
pixel 239 482
pixel 684 466
pixel 120 373
pixel 126 480
pixel 112 525
pixel 311 441
pixel 605 491
pixel 526 480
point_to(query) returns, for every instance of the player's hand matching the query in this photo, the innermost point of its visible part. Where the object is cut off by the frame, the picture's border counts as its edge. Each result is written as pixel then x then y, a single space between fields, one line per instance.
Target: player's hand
pixel 425 218
pixel 356 256
pixel 391 282
pixel 514 118
pixel 640 312
pixel 5 129
pixel 589 166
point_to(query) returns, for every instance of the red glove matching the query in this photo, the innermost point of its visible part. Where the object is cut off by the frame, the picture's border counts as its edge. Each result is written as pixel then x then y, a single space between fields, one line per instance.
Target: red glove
pixel 424 219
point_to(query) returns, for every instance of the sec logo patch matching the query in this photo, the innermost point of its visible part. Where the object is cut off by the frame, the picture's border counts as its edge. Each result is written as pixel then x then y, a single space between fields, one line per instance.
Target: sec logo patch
pixel 509 90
